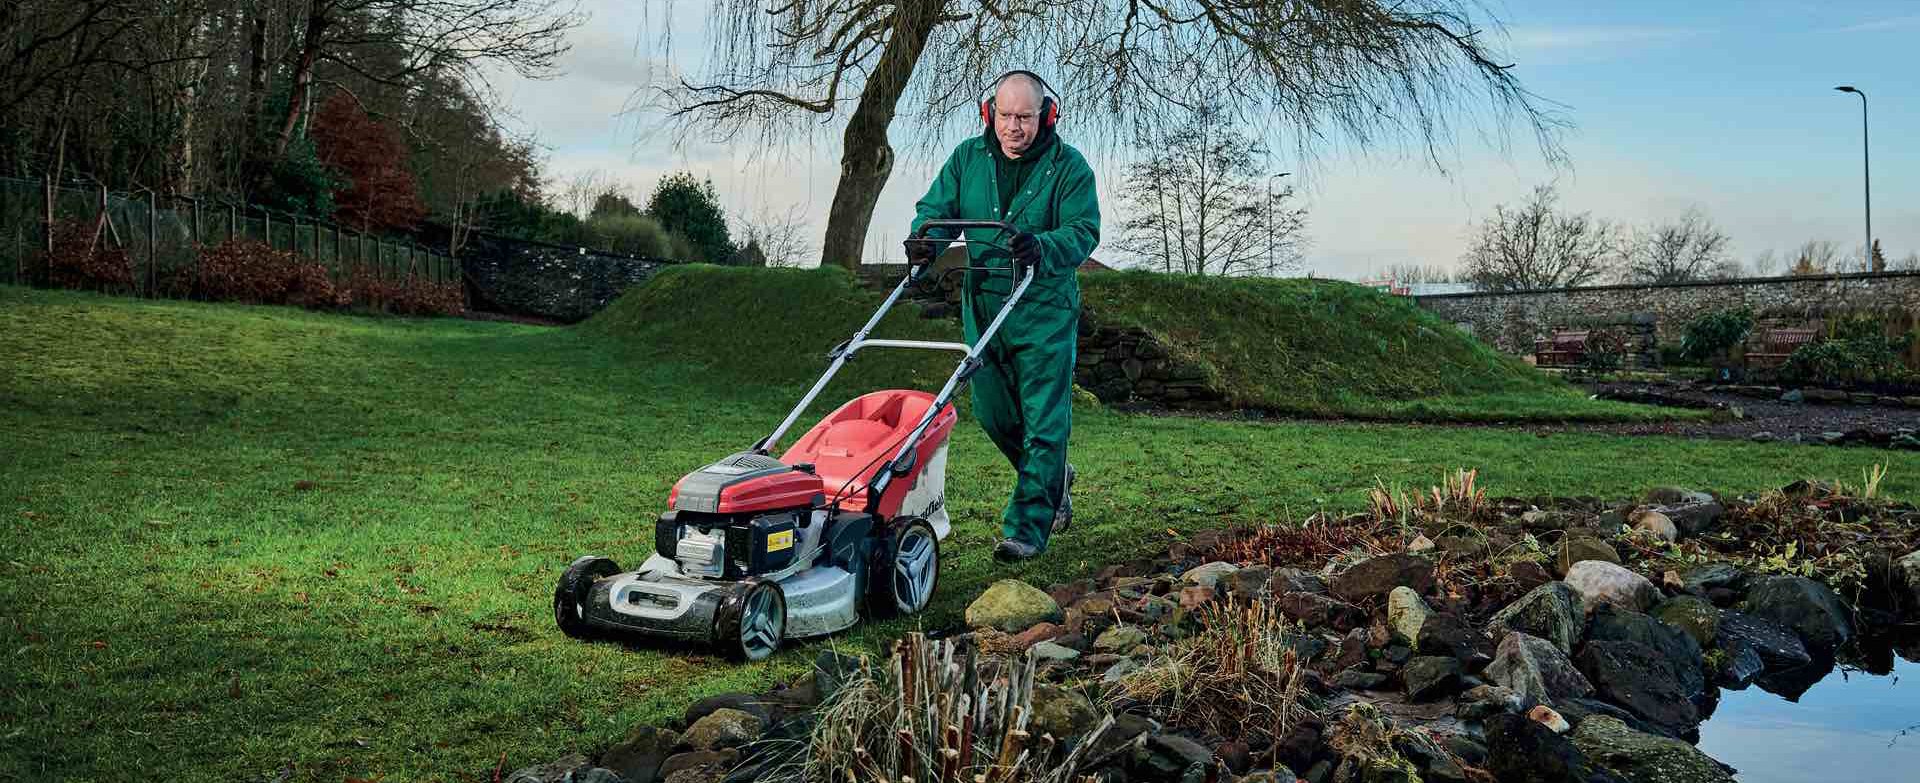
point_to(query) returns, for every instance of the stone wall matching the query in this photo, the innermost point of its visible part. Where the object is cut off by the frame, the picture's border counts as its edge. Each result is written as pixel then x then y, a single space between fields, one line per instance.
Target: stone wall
pixel 1511 321
pixel 1120 365
pixel 548 281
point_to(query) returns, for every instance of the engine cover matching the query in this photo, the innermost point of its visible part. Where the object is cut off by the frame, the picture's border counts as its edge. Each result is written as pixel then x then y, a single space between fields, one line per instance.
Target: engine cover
pixel 745 482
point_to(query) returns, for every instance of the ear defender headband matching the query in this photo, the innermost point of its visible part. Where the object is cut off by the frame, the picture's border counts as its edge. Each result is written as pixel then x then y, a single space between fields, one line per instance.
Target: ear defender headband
pixel 1049 108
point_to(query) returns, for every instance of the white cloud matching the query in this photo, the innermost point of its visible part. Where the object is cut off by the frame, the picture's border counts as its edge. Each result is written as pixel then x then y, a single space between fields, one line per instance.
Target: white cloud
pixel 1894 23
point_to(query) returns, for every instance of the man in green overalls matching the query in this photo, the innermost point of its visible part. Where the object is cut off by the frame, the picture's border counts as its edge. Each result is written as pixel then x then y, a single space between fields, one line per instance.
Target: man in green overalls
pixel 1019 172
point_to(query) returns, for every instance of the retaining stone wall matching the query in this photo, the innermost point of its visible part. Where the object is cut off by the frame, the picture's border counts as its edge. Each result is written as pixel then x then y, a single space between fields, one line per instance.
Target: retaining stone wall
pixel 1511 321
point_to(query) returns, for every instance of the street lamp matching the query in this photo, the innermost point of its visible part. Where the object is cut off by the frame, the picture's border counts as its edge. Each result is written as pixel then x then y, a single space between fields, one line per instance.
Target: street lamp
pixel 1866 169
pixel 1269 207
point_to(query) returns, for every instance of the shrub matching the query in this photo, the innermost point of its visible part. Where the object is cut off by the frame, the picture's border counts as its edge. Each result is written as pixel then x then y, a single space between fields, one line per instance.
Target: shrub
pixel 1848 362
pixel 1714 333
pixel 639 235
pixel 82 259
pixel 255 273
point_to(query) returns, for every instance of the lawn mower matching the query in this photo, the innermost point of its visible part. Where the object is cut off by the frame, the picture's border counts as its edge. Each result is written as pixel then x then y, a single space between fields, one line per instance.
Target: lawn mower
pixel 846 524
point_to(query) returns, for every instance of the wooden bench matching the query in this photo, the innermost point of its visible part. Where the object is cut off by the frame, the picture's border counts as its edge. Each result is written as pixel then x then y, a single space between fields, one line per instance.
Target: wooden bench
pixel 1778 344
pixel 1562 349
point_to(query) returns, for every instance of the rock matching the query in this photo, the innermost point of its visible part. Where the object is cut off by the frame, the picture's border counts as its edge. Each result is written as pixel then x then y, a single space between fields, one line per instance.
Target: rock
pixel 1447 634
pixel 1520 750
pixel 1405 614
pixel 1037 634
pixel 1657 525
pixel 1822 619
pixel 700 766
pixel 1315 610
pixel 1575 550
pixel 1119 670
pixel 1906 574
pixel 1776 646
pixel 1692 518
pixel 1355 680
pixel 1373 578
pixel 1598 582
pixel 1465 543
pixel 1065 713
pixel 1353 651
pixel 1249 582
pixel 1294 580
pixel 1674 496
pixel 1431 677
pixel 1236 756
pixel 1536 669
pixel 1208 575
pixel 1012 606
pixel 1792 395
pixel 1717 575
pixel 1120 639
pixel 1640 679
pixel 1551 611
pixel 1545 716
pixel 1761 437
pixel 1172 756
pixel 724 728
pixel 551 772
pixel 595 775
pixel 1674 645
pixel 1420 543
pixel 1192 597
pixel 637 759
pixel 1049 651
pixel 831 670
pixel 1645 758
pixel 1528 574
pixel 1276 775
pixel 1693 615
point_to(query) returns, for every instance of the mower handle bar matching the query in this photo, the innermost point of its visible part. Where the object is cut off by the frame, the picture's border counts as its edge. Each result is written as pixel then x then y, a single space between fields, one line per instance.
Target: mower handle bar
pixel 920 237
pixel 902 461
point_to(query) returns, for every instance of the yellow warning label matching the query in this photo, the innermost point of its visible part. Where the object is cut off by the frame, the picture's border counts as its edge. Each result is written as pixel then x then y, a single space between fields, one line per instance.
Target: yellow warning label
pixel 779 541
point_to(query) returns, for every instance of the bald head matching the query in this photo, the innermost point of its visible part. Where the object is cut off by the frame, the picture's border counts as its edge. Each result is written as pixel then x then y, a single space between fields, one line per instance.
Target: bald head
pixel 1016 113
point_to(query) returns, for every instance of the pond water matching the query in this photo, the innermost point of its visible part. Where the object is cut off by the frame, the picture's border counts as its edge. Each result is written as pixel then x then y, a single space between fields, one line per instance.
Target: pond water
pixel 1850 725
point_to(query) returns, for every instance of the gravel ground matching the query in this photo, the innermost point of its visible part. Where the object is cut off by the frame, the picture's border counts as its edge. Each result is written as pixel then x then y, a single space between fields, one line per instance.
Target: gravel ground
pixel 1782 419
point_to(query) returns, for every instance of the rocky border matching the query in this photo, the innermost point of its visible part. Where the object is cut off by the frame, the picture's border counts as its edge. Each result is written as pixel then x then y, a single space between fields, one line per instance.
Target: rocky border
pixel 1507 639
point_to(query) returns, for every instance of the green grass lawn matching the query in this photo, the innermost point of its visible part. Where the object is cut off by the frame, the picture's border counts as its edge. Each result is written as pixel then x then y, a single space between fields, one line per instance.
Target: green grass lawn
pixel 238 539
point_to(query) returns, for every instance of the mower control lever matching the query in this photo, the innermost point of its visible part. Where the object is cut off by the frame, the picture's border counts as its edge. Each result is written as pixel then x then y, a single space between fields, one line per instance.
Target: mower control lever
pixel 921 237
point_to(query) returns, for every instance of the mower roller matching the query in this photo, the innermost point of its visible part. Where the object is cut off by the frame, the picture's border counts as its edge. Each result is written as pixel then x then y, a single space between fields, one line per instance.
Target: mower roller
pixel 846 524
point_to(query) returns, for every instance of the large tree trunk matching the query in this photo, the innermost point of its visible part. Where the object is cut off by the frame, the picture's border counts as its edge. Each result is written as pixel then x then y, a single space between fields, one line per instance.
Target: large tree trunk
pixel 318 19
pixel 867 160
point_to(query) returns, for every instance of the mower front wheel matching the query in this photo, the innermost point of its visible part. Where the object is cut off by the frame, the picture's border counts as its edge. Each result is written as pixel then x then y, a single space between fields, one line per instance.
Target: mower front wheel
pixel 906 572
pixel 752 621
pixel 570 596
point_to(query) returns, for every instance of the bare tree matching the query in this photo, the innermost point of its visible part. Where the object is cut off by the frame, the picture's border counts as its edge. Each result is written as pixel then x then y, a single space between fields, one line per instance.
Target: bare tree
pixel 1198 204
pixel 1368 71
pixel 779 234
pixel 1423 273
pixel 1816 257
pixel 1688 248
pixel 578 192
pixel 1766 264
pixel 1908 263
pixel 1536 246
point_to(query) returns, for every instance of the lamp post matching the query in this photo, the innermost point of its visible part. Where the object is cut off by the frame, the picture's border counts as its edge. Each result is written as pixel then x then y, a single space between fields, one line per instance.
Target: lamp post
pixel 1269 208
pixel 1866 169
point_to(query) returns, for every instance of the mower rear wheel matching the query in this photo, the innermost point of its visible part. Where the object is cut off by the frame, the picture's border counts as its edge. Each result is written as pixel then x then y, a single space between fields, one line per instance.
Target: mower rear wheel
pixel 754 622
pixel 907 572
pixel 570 596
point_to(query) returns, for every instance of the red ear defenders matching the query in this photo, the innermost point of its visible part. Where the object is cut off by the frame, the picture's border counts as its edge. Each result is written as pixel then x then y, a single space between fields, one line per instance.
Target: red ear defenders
pixel 1049 108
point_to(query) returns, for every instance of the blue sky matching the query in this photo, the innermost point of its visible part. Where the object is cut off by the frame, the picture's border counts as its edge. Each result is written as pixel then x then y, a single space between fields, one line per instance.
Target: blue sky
pixel 1722 105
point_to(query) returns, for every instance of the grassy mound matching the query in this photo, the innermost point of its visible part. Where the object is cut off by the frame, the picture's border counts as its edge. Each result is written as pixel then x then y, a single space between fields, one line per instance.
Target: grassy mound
pixel 772 327
pixel 1313 347
pixel 1330 348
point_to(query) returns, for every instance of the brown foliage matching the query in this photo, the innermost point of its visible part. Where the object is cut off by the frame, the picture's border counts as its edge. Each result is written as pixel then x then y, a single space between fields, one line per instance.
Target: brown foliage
pixel 84 259
pixel 380 191
pixel 255 273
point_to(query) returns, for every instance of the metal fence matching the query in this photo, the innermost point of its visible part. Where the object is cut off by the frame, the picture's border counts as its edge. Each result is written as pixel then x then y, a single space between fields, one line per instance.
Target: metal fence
pixel 161 234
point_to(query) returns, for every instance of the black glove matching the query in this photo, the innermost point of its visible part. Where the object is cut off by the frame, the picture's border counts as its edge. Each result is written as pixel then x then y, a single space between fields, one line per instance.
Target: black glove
pixel 1026 247
pixel 920 252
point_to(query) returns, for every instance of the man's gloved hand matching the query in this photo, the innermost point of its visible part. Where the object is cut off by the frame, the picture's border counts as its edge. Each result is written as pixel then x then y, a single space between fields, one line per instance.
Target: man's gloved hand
pixel 921 253
pixel 1026 247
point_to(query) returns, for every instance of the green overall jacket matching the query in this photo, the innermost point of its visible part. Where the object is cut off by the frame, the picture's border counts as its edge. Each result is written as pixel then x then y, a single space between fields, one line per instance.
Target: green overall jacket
pixel 1023 393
